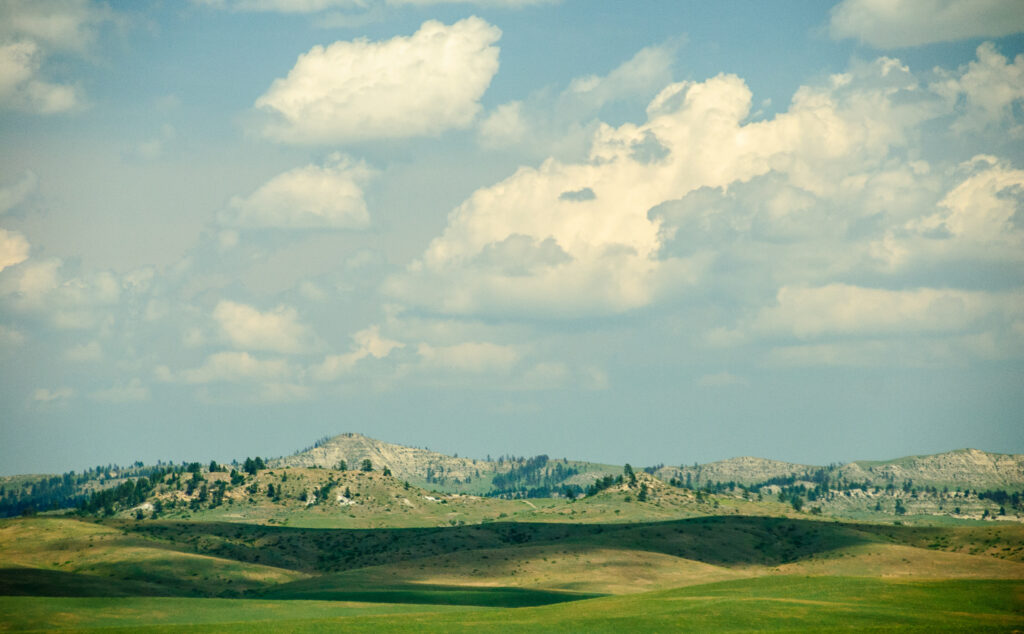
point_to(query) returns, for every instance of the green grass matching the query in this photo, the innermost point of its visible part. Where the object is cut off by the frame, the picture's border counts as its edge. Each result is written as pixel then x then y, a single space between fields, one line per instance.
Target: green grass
pixel 173 613
pixel 762 604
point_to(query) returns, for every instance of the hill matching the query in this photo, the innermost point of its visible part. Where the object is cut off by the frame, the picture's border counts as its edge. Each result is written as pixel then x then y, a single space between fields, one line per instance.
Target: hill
pixel 963 468
pixel 512 476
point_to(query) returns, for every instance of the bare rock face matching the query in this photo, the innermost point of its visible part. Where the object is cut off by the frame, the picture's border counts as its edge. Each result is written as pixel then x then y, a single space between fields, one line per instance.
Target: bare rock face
pixel 965 468
pixel 405 463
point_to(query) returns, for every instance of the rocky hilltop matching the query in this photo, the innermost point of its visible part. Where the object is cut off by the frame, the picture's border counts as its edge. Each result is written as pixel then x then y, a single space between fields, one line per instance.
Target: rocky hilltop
pixel 416 465
pixel 964 468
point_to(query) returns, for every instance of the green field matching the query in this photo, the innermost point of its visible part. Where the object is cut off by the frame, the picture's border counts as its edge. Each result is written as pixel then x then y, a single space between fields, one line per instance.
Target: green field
pixel 605 563
pixel 761 604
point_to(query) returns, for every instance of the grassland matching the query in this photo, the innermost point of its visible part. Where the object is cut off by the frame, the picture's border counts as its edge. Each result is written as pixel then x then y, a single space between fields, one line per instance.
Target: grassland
pixel 396 560
pixel 759 604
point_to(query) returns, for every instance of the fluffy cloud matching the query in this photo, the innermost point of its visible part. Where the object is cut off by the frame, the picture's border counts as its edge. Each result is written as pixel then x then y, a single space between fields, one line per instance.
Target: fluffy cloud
pixel 306 197
pixel 842 309
pixel 986 92
pixel 31 31
pixel 563 124
pixel 14 248
pixel 235 367
pixel 406 86
pixel 367 344
pixel 20 62
pixel 278 330
pixel 469 357
pixel 814 231
pixel 978 220
pixel 898 23
pixel 586 232
pixel 58 24
pixel 38 288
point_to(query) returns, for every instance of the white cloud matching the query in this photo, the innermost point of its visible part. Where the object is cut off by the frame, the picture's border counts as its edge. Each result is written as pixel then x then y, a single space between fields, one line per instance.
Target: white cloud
pixel 367 343
pixel 31 32
pixel 236 367
pixel 469 357
pixel 899 23
pixel 563 124
pixel 58 24
pixel 407 86
pixel 306 197
pixel 13 195
pixel 609 246
pixel 977 220
pixel 131 392
pixel 985 93
pixel 56 395
pixel 20 62
pixel 844 309
pixel 278 330
pixel 14 248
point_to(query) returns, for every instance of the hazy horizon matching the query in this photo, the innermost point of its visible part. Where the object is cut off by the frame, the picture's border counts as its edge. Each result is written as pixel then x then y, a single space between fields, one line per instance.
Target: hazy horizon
pixel 654 233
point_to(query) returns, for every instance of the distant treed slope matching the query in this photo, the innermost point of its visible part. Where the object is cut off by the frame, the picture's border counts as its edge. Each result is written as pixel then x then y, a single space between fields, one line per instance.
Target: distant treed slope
pixel 745 470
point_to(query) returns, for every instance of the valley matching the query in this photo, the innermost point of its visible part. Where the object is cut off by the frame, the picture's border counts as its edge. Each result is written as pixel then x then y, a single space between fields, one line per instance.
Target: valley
pixel 351 533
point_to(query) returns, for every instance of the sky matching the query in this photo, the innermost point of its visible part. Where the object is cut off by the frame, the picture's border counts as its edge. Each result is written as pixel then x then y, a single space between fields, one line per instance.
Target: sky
pixel 645 232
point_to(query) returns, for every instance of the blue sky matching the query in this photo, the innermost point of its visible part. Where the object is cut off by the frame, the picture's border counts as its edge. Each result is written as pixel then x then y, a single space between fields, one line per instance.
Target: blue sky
pixel 647 232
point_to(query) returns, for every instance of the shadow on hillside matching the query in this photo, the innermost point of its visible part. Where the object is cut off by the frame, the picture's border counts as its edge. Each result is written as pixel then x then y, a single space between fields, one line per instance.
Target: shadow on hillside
pixel 728 541
pixel 56 583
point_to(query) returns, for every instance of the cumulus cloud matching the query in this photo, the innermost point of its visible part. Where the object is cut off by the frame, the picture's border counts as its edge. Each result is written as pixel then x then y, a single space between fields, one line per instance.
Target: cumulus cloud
pixel 900 23
pixel 406 86
pixel 470 357
pixel 842 309
pixel 277 330
pixel 20 87
pixel 594 245
pixel 367 343
pixel 235 367
pixel 986 92
pixel 14 248
pixel 979 219
pixel 563 123
pixel 39 288
pixel 33 31
pixel 328 196
pixel 822 226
